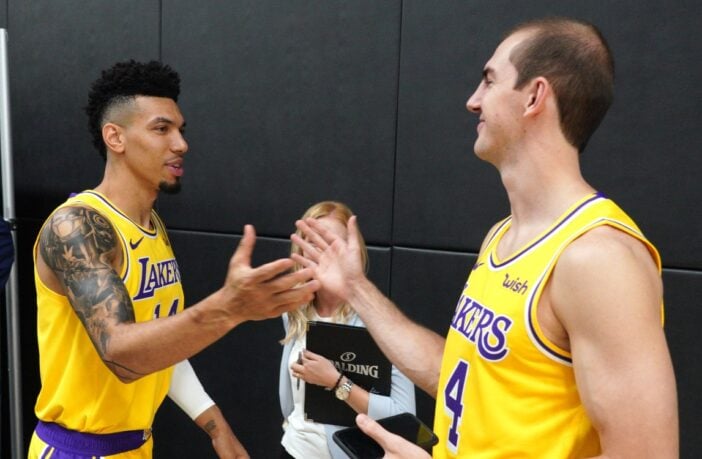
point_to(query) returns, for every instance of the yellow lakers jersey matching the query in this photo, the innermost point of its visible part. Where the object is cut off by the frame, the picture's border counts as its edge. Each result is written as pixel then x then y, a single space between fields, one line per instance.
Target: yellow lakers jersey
pixel 77 390
pixel 505 390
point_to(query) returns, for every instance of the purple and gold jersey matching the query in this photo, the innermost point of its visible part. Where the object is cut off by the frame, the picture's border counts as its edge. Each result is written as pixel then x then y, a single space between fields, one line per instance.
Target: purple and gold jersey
pixel 505 390
pixel 78 391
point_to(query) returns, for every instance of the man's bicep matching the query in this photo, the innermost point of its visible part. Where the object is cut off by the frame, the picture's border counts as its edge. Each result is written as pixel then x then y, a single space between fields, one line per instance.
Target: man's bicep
pixel 608 296
pixel 80 247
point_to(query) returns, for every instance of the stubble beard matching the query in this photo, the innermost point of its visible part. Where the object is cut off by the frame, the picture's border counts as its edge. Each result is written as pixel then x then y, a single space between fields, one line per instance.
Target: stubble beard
pixel 170 188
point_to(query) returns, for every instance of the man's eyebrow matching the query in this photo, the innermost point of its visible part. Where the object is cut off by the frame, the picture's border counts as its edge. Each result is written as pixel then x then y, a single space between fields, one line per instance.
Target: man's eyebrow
pixel 163 119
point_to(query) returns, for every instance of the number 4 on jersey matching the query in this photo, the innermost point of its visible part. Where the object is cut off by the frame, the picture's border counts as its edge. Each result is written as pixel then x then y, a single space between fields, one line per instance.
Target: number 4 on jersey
pixel 453 399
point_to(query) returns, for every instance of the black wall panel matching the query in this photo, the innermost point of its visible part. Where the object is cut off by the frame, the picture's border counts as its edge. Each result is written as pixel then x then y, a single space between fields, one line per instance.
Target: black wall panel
pixel 445 198
pixel 643 156
pixel 56 50
pixel 288 103
pixel 240 372
pixel 683 290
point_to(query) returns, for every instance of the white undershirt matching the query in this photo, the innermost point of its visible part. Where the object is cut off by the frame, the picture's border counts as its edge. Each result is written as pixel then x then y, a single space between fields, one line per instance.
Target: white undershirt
pixel 302 438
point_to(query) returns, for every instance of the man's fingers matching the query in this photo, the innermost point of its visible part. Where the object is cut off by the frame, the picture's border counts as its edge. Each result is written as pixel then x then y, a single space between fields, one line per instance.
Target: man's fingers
pixel 242 259
pixel 302 261
pixel 394 445
pixel 316 233
pixel 293 298
pixel 323 237
pixel 353 233
pixel 308 249
pixel 291 280
pixel 373 430
pixel 271 270
pixel 242 255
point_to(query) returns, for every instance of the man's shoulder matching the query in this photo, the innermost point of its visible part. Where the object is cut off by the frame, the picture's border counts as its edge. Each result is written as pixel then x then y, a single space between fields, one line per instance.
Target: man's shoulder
pixel 603 244
pixel 75 224
pixel 601 264
pixel 70 214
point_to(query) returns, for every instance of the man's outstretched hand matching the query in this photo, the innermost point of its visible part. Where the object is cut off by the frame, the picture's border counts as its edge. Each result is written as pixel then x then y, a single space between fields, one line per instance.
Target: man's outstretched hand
pixel 266 291
pixel 337 263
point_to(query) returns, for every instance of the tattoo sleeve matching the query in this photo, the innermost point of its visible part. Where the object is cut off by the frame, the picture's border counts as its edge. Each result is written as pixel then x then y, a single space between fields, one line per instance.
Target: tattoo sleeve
pixel 79 244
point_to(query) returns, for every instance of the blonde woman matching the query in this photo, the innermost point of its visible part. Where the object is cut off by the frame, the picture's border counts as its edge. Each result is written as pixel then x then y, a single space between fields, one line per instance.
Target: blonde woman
pixel 307 439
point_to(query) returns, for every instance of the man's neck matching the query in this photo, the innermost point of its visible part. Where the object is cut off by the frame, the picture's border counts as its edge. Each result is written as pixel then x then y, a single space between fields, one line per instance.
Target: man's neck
pixel 540 186
pixel 135 202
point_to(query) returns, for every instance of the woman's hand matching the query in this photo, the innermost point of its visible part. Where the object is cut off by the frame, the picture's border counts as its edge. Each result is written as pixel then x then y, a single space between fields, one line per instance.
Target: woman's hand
pixel 315 369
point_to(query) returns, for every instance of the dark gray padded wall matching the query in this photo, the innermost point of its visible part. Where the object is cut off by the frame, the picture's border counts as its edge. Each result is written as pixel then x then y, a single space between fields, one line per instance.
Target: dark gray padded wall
pixel 683 290
pixel 445 198
pixel 240 372
pixel 288 103
pixel 644 155
pixel 56 50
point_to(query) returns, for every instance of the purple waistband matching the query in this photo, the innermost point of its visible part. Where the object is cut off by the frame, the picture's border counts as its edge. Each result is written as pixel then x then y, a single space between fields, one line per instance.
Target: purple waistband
pixel 88 443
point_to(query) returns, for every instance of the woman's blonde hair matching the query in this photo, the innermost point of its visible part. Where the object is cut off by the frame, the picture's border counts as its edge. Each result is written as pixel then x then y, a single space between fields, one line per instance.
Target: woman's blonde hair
pixel 297 319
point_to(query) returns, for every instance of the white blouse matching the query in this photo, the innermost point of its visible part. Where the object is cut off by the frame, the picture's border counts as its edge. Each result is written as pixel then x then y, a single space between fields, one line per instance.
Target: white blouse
pixel 303 438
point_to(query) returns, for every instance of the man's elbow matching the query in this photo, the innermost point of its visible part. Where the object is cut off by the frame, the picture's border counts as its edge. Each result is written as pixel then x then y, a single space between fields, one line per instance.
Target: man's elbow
pixel 124 374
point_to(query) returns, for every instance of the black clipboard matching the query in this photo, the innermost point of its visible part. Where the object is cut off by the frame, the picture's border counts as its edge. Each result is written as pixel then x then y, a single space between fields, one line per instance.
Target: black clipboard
pixel 354 353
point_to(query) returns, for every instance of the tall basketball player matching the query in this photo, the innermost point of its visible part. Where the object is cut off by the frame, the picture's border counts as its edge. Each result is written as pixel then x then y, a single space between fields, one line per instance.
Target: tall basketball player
pixel 556 348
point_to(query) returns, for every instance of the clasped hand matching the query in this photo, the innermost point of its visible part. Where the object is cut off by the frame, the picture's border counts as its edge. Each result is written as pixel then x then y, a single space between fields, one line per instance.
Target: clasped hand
pixel 315 369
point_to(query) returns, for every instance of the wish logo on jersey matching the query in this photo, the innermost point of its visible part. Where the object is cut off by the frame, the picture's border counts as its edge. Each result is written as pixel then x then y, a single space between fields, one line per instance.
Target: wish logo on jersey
pixel 155 276
pixel 482 327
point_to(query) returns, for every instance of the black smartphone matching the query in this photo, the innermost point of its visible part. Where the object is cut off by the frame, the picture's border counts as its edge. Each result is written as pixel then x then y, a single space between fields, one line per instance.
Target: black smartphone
pixel 358 445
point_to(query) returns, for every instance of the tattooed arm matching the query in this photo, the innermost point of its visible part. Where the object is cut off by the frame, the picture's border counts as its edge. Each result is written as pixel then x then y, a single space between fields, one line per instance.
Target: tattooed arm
pixel 82 250
pixel 224 442
pixel 80 256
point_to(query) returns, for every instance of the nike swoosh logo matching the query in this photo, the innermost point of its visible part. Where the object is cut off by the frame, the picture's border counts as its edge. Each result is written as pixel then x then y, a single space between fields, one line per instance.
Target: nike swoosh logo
pixel 134 245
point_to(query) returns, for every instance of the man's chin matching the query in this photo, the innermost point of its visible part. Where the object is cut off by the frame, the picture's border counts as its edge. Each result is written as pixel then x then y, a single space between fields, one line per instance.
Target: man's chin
pixel 170 188
pixel 481 150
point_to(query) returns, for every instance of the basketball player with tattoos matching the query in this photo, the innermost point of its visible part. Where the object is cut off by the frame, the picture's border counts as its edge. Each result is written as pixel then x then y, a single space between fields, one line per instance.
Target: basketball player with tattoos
pixel 114 336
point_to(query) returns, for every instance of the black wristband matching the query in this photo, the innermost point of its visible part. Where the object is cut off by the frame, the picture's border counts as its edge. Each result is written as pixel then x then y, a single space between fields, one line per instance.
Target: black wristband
pixel 336 384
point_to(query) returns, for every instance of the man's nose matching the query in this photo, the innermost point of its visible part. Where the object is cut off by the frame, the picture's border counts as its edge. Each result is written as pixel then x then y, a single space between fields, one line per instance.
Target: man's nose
pixel 473 103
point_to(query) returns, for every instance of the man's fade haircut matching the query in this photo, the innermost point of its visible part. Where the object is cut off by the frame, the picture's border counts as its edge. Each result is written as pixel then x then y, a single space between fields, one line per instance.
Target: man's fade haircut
pixel 120 84
pixel 575 58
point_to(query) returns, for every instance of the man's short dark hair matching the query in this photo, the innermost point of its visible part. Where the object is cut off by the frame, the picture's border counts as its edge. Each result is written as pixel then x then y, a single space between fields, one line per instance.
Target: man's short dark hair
pixel 123 82
pixel 576 60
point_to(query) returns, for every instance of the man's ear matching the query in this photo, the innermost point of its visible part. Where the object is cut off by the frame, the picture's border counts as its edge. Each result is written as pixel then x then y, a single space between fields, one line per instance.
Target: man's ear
pixel 537 94
pixel 113 136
